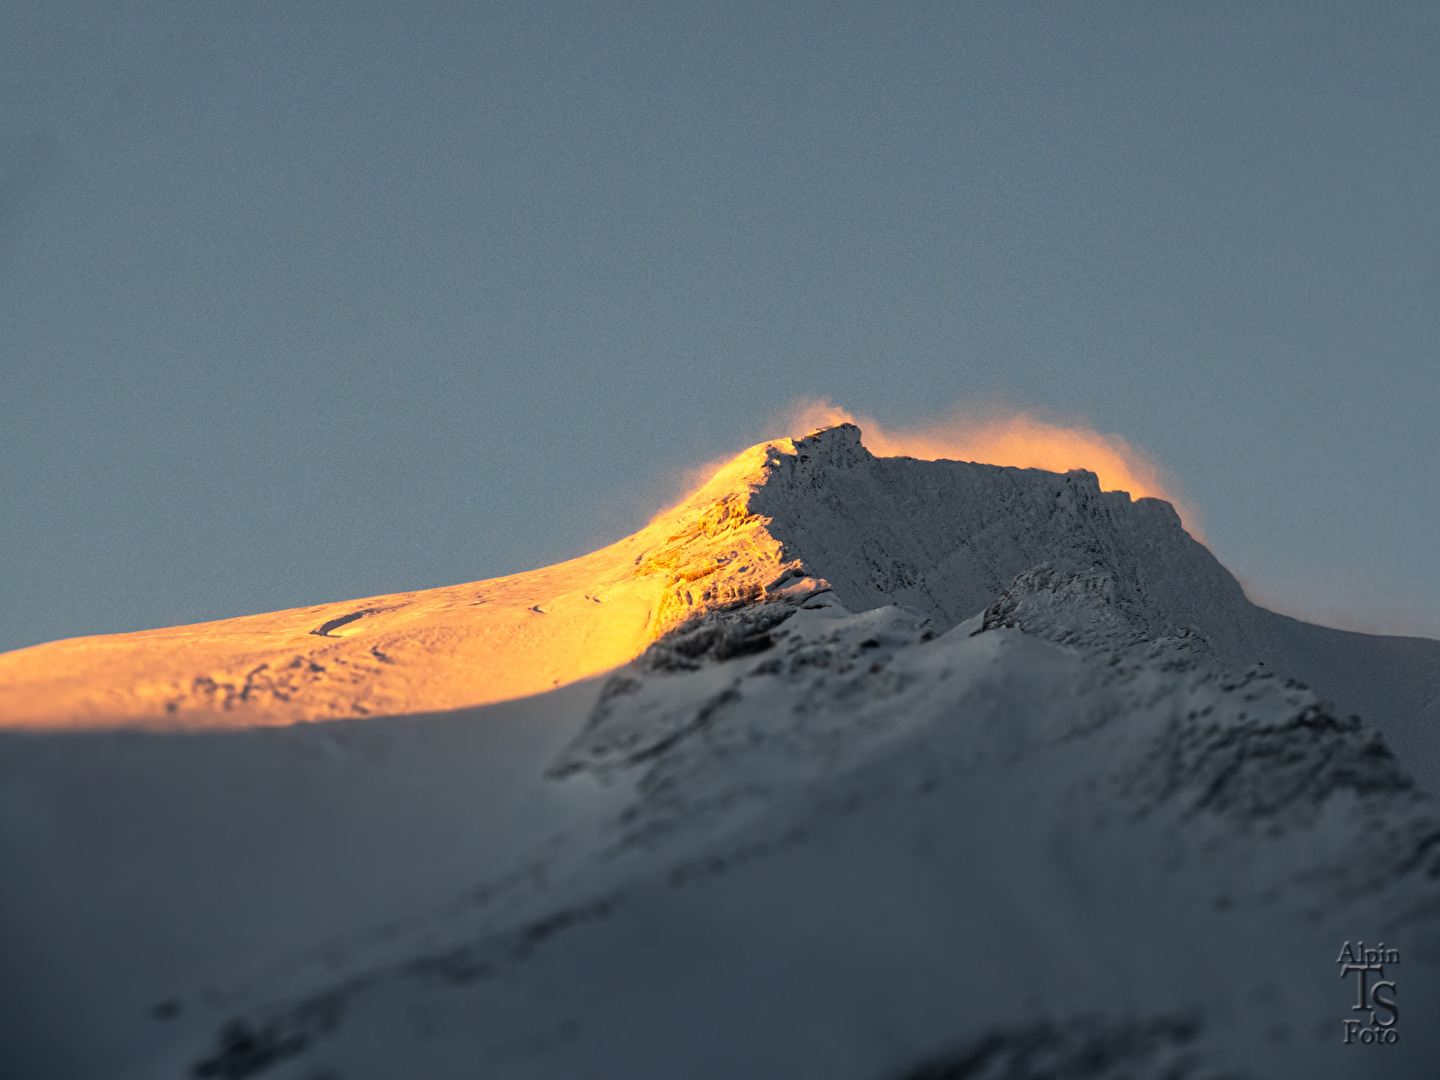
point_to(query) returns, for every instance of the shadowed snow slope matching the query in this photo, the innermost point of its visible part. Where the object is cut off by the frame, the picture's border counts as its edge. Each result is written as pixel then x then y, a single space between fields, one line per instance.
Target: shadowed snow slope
pixel 893 770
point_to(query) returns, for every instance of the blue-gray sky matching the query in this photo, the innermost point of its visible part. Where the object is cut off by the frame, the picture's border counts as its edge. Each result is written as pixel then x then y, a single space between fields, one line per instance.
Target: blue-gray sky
pixel 310 301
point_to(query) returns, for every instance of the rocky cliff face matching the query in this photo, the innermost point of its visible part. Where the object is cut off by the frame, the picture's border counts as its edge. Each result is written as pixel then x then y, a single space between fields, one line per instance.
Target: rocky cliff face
pixel 947 537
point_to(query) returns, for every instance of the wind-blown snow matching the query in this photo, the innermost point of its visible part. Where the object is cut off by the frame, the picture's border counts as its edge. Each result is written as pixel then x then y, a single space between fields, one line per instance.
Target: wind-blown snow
pixel 919 770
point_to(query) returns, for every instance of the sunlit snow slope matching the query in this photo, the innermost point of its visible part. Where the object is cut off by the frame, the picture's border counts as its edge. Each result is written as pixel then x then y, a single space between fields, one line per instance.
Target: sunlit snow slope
pixel 413 652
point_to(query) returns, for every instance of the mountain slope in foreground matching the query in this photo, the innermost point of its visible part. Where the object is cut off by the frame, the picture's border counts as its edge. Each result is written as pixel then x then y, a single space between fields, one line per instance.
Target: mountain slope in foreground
pixel 909 769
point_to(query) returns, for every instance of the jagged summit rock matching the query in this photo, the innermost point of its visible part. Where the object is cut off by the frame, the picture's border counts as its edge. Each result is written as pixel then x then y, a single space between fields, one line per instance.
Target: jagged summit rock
pixel 947 537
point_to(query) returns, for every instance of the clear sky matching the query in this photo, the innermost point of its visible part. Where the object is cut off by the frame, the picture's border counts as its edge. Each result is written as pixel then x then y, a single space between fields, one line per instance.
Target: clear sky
pixel 312 301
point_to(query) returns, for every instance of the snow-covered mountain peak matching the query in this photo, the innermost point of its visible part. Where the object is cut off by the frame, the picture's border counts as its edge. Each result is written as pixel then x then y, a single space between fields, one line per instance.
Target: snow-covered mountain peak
pixel 897 768
pixel 947 538
pixel 1047 553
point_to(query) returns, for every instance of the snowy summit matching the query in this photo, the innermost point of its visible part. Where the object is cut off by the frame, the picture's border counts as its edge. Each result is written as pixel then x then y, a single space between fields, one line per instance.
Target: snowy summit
pixel 846 767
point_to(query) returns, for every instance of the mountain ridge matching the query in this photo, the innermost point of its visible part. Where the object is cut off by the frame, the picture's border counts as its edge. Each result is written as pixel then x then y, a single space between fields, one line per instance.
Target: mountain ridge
pixel 781 521
pixel 924 768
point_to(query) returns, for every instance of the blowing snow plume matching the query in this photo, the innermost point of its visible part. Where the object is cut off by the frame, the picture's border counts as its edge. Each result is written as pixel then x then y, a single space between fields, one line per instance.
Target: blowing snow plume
pixel 994 435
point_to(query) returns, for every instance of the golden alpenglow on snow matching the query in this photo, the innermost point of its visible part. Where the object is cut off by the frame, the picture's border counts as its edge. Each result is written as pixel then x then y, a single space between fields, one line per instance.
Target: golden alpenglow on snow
pixel 422 651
